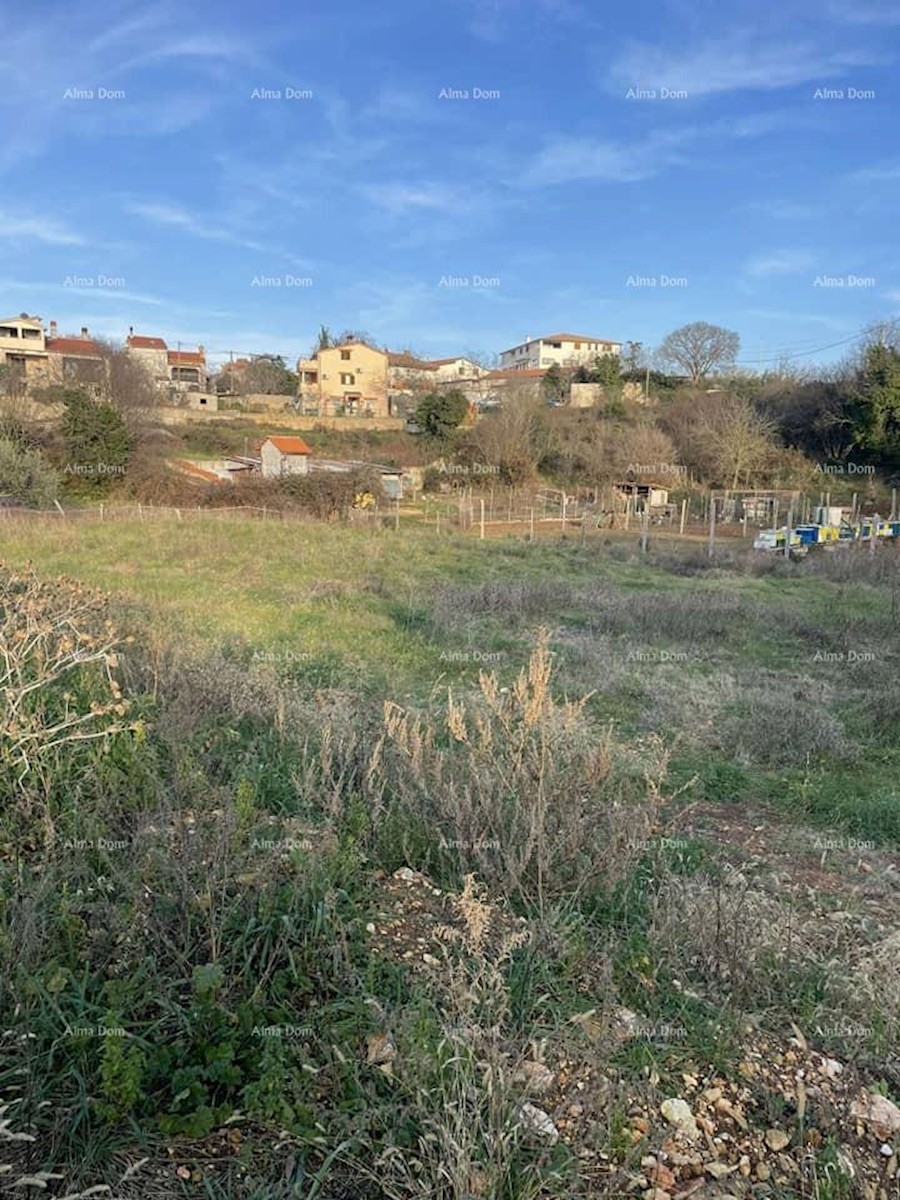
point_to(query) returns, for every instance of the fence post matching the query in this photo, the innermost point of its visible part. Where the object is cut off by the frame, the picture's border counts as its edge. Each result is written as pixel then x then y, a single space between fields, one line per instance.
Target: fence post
pixel 712 526
pixel 645 522
pixel 481 499
pixel 531 526
pixel 101 510
pixel 683 515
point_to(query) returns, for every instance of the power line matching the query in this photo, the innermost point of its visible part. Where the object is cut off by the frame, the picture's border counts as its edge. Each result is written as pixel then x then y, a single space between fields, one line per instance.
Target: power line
pixel 748 362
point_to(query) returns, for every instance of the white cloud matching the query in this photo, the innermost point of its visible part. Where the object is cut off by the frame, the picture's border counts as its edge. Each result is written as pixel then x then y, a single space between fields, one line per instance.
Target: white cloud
pixel 780 262
pixel 40 229
pixel 400 198
pixel 566 160
pixel 738 62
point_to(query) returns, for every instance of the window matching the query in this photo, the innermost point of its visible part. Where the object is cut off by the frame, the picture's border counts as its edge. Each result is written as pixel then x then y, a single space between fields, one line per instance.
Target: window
pixel 347 379
pixel 578 345
pixel 345 355
pixel 555 345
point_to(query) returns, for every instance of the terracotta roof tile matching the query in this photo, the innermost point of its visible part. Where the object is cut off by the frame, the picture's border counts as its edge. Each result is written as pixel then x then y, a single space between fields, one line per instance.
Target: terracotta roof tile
pixel 138 342
pixel 290 445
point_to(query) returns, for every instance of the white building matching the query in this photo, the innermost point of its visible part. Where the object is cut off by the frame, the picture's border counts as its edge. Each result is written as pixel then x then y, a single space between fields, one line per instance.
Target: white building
pixel 284 456
pixel 565 349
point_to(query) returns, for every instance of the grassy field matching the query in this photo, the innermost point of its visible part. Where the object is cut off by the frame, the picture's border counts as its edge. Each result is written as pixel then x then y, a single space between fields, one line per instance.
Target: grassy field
pixel 675 779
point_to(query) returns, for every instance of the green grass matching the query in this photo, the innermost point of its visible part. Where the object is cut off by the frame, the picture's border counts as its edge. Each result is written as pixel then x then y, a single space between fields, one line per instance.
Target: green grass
pixel 354 616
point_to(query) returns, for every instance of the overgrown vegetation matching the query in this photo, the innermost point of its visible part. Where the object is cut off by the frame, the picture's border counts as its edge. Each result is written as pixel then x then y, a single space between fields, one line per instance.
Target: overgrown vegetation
pixel 200 829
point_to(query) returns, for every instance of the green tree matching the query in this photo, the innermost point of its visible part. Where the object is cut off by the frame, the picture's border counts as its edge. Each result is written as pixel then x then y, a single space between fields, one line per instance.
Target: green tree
pixel 26 476
pixel 555 385
pixel 877 405
pixel 440 413
pixel 605 369
pixel 97 441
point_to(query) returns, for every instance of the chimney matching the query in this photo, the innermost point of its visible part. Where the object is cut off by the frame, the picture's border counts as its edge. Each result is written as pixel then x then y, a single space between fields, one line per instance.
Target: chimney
pixel 201 349
pixel 53 329
pixel 131 331
pixel 84 331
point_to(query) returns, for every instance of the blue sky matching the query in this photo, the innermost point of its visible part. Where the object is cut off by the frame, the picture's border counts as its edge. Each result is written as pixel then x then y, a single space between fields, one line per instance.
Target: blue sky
pixel 174 203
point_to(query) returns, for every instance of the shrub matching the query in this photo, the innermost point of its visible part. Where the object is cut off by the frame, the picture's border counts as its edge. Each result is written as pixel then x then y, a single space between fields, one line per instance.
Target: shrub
pixel 26 476
pixel 97 442
pixel 523 790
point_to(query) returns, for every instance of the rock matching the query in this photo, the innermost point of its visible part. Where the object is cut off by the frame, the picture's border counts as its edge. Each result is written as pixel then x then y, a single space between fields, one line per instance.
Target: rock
pixel 575 1110
pixel 886 1149
pixel 380 1049
pixel 536 1077
pixel 659 1175
pixel 719 1170
pixel 627 1023
pixel 370 928
pixel 430 960
pixel 877 1111
pixel 763 1172
pixel 830 1067
pixel 777 1139
pixel 678 1113
pixel 538 1122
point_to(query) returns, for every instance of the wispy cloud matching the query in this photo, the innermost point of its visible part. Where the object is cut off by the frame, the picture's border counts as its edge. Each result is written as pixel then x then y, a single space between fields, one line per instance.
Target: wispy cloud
pixel 566 160
pixel 739 62
pixel 40 229
pixel 780 262
pixel 862 12
pixel 400 198
pixel 880 174
pixel 174 216
pixel 785 210
pixel 98 47
pixel 491 20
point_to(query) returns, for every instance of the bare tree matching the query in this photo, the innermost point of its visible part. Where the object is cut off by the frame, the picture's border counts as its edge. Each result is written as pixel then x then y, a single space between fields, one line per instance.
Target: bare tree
pixel 511 439
pixel 732 441
pixel 128 386
pixel 699 348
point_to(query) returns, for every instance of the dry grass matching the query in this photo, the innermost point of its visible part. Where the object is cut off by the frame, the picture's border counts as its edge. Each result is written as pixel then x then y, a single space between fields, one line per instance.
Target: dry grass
pixel 536 800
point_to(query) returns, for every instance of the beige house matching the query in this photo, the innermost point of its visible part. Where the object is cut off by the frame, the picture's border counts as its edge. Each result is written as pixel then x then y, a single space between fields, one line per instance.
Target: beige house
pixel 152 353
pixel 23 348
pixel 564 349
pixel 350 379
pixel 280 456
pixel 76 361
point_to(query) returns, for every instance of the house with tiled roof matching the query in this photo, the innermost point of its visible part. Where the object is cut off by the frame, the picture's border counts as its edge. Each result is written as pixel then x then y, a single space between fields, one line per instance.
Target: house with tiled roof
pixel 562 349
pixel 76 361
pixel 181 375
pixel 280 456
pixel 348 380
pixel 23 348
